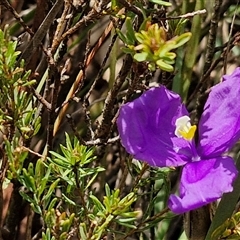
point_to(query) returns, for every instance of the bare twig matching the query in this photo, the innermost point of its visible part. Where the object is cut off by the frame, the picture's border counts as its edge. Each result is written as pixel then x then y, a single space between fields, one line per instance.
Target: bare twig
pixel 93 142
pixel 92 15
pixel 229 43
pixel 73 127
pixel 31 151
pixel 41 99
pixel 131 7
pixel 8 6
pixel 84 106
pixel 41 32
pixel 100 141
pixel 187 15
pixel 107 114
pixel 80 76
pixel 214 64
pixel 212 36
pixel 61 24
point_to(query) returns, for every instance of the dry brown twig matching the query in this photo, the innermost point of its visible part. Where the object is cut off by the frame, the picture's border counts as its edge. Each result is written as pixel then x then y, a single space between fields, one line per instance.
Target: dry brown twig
pixel 80 75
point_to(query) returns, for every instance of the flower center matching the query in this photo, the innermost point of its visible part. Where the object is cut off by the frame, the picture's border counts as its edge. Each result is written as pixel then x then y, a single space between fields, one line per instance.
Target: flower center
pixel 184 129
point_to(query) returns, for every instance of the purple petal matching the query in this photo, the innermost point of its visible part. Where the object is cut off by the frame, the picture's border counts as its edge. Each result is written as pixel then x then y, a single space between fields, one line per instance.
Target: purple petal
pixel 219 126
pixel 234 76
pixel 146 127
pixel 203 182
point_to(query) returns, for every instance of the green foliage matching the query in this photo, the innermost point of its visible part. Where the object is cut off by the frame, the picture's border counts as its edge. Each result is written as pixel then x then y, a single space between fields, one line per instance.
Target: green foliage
pixel 18 119
pixel 112 210
pixel 97 190
pixel 154 47
pixel 39 187
pixel 15 96
pixel 72 168
pixel 230 229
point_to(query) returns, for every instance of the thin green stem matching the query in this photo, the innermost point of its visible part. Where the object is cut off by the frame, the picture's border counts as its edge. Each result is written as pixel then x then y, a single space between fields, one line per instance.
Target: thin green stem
pixel 192 50
pixel 113 62
pixel 177 80
pixel 185 6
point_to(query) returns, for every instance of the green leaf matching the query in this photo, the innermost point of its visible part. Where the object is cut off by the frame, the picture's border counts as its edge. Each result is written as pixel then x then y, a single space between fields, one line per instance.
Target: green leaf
pixel 168 60
pixel 43 181
pixel 141 57
pixel 129 199
pixel 133 214
pixel 130 32
pixel 28 117
pixel 57 155
pixel 39 169
pixel 97 203
pixel 128 50
pixel 125 220
pixel 68 142
pixel 107 190
pixel 121 35
pixel 68 200
pixel 162 3
pixel 139 36
pixel 68 154
pixel 28 181
pixel 59 160
pixel 107 202
pixel 47 197
pixel 180 26
pixel 93 177
pixel 30 169
pixel 50 218
pixel 26 196
pixel 52 203
pixel 37 125
pixel 167 47
pixel 83 231
pixel 126 224
pixel 36 208
pixel 164 66
pixel 63 236
pixel 29 83
pixel 67 223
pixel 182 39
pixel 47 235
pixel 152 66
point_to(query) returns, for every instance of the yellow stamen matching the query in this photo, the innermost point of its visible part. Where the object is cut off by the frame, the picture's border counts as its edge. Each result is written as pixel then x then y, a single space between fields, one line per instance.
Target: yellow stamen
pixel 184 128
pixel 188 135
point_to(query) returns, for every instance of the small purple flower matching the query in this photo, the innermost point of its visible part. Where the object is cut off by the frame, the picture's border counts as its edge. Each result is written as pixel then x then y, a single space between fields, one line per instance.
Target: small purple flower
pixel 156 128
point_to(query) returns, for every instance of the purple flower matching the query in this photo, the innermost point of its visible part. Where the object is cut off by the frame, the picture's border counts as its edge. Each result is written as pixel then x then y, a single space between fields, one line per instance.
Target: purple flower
pixel 156 128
